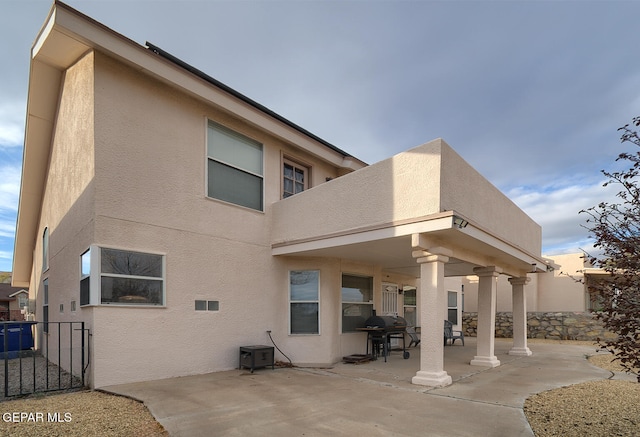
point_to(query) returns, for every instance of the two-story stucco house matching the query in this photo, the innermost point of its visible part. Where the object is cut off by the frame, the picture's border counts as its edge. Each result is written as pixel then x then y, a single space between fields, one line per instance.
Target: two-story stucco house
pixel 180 220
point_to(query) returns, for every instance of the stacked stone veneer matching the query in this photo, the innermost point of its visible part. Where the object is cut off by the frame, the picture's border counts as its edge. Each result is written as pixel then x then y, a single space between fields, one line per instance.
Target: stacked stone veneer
pixel 555 326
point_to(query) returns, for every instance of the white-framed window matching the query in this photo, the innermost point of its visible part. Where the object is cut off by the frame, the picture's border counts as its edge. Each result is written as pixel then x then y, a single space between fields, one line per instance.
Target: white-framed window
pixel 85 277
pixel 23 301
pixel 357 301
pixel 45 305
pixel 410 305
pixel 294 178
pixel 122 277
pixel 304 302
pixel 234 167
pixel 45 249
pixel 452 307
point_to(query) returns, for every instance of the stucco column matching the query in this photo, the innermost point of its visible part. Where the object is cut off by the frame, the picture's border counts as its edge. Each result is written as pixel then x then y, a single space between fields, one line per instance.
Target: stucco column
pixel 519 317
pixel 432 312
pixel 487 289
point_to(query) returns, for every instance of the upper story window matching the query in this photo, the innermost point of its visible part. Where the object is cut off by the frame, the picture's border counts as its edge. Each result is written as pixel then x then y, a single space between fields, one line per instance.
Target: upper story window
pixel 45 249
pixel 294 178
pixel 235 169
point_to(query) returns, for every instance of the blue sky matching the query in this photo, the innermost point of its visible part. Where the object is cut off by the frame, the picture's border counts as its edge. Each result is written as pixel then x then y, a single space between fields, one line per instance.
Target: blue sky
pixel 530 93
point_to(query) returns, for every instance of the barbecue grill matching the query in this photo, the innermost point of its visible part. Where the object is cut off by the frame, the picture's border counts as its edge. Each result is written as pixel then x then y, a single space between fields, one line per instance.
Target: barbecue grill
pixel 381 329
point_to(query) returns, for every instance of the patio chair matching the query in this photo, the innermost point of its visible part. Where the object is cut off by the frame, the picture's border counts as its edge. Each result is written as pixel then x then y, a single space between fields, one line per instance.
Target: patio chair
pixel 413 335
pixel 451 335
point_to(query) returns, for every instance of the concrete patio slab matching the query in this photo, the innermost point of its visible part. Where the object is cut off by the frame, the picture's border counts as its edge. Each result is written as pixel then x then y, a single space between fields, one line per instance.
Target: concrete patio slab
pixel 372 399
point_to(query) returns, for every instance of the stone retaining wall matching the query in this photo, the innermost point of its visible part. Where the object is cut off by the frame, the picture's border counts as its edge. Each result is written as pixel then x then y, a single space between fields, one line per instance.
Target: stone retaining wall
pixel 555 326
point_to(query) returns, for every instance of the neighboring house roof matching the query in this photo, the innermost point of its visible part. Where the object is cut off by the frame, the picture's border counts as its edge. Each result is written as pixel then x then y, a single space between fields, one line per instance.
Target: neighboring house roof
pixel 66 36
pixel 9 293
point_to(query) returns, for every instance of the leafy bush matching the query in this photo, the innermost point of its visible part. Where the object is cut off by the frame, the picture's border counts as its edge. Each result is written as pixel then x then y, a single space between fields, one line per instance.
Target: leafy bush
pixel 615 227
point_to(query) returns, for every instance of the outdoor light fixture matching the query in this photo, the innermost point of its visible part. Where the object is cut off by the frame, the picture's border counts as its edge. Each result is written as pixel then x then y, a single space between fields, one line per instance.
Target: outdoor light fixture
pixel 460 222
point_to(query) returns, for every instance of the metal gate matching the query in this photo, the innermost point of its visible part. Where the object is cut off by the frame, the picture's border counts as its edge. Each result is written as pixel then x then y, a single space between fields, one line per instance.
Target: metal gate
pixel 43 356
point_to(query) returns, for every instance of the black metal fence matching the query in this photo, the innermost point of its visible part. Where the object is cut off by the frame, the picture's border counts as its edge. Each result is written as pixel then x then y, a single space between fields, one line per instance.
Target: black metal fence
pixel 43 356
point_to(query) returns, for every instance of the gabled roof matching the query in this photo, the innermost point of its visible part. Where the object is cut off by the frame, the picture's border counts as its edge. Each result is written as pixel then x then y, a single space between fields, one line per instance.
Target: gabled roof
pixel 7 292
pixel 65 37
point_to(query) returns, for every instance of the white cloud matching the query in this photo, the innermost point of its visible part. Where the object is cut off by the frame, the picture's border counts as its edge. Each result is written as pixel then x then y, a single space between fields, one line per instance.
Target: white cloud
pixel 7 228
pixel 5 261
pixel 11 124
pixel 556 209
pixel 9 187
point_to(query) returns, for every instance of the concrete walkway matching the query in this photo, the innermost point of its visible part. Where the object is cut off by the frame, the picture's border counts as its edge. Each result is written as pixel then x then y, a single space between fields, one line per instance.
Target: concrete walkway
pixel 372 399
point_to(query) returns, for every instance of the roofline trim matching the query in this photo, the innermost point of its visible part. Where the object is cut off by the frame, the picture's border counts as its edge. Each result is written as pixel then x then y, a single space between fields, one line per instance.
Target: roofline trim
pixel 202 75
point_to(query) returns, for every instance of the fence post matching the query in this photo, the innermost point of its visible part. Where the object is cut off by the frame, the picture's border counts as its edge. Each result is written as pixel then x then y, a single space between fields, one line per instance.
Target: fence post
pixel 6 359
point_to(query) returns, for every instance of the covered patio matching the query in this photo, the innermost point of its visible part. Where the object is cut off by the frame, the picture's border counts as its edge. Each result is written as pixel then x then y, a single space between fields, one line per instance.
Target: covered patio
pixel 428 214
pixel 376 398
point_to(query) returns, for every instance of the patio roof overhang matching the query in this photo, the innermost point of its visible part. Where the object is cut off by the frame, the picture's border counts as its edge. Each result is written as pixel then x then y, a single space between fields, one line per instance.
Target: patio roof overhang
pixel 392 245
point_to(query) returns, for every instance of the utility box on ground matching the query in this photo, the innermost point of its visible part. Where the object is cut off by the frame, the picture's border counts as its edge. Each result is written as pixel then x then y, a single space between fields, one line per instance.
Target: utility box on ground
pixel 255 357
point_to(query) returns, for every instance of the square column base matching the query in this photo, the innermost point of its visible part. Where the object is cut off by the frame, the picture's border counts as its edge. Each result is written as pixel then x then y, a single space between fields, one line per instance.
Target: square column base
pixel 432 379
pixel 520 351
pixel 485 361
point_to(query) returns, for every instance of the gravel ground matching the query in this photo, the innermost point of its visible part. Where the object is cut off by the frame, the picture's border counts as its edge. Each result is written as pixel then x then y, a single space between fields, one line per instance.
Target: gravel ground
pixel 48 376
pixel 597 408
pixel 80 414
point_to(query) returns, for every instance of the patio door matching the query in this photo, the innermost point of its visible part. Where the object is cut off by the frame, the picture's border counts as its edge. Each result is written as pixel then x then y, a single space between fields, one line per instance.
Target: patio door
pixel 389 299
pixel 390 305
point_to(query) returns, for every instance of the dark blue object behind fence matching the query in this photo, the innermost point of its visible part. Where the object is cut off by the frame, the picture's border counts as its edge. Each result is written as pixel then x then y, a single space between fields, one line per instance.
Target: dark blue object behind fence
pixel 16 336
pixel 17 347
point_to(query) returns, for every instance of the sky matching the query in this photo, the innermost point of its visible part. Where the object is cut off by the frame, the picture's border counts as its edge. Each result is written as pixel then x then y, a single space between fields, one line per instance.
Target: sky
pixel 530 93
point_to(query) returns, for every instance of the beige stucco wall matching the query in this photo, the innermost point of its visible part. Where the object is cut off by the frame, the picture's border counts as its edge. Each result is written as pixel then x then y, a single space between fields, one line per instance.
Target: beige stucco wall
pixel 467 192
pixel 557 290
pixel 406 187
pixel 150 196
pixel 67 206
pixel 143 188
pixel 420 182
pixel 560 290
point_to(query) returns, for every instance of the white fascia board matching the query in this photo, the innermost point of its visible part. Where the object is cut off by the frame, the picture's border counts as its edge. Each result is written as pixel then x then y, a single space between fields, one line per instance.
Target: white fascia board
pixel 502 246
pixel 362 236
